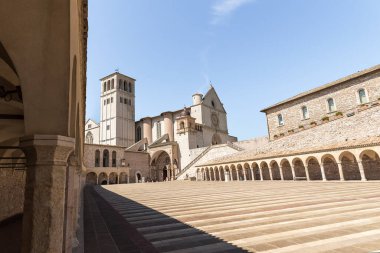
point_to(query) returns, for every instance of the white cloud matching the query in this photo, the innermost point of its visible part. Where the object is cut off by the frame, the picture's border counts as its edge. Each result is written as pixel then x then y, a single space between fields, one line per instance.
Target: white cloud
pixel 224 8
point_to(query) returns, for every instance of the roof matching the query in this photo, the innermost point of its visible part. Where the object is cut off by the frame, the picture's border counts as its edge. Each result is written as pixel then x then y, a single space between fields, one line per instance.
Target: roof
pixel 116 73
pixel 251 155
pixel 328 85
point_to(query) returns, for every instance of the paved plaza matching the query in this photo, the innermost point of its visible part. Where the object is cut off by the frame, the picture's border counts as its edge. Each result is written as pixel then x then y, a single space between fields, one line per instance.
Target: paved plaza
pixel 245 216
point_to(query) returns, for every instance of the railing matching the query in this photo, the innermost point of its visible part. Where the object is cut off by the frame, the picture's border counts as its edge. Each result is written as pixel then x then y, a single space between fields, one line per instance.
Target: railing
pixel 194 161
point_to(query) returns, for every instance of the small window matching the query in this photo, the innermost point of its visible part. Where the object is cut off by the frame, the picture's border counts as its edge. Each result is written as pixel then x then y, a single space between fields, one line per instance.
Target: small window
pixel 111 99
pixel 120 84
pixel 112 84
pixel 104 87
pixel 182 125
pixel 331 105
pixel 125 85
pixel 362 96
pixel 125 101
pixel 108 127
pixel 108 100
pixel 305 112
pixel 108 85
pixel 121 100
pixel 89 125
pixel 280 120
pixel 105 101
pixel 212 103
pixel 129 87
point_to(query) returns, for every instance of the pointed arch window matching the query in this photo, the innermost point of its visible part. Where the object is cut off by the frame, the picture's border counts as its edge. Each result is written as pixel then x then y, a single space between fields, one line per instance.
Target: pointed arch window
pixel 305 112
pixel 89 138
pixel 331 105
pixel 280 119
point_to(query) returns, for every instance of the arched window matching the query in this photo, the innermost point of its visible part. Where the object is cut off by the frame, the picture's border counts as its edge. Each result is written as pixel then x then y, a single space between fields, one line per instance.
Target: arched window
pixel 362 96
pixel 129 87
pixel 97 158
pixel 113 158
pixel 138 133
pixel 125 85
pixel 108 85
pixel 106 158
pixel 280 120
pixel 305 112
pixel 331 105
pixel 158 126
pixel 112 84
pixel 89 138
pixel 120 84
pixel 104 87
pixel 182 125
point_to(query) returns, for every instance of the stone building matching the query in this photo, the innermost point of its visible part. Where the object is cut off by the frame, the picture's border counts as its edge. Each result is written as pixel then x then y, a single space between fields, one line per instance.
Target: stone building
pixel 173 139
pixel 328 133
pixel 43 55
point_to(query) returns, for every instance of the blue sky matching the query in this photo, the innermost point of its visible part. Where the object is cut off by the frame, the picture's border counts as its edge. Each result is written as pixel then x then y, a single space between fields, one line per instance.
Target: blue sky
pixel 255 52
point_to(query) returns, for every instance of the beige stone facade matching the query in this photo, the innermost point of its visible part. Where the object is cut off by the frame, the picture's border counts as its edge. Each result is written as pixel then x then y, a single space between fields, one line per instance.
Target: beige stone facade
pixel 344 94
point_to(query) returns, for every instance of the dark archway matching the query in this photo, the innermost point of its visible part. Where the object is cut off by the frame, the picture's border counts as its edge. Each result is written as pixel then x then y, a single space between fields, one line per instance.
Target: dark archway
pixel 91 178
pixel 331 168
pixel 106 158
pixel 265 171
pixel 314 169
pixel 286 170
pixel 299 168
pixel 275 171
pixel 371 165
pixel 349 166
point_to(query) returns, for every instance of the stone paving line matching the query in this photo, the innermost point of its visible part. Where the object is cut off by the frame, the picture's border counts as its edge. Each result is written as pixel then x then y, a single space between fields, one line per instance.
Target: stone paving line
pixel 252 216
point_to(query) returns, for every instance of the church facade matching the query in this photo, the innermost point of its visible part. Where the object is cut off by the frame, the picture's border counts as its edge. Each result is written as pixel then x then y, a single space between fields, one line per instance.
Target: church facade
pixel 171 140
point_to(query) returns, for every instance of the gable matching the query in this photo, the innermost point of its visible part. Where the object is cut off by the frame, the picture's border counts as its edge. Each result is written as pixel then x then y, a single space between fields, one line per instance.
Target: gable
pixel 91 123
pixel 212 100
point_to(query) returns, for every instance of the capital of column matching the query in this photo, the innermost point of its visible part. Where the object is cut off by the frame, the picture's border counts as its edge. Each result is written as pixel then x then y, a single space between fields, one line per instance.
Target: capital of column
pixel 47 149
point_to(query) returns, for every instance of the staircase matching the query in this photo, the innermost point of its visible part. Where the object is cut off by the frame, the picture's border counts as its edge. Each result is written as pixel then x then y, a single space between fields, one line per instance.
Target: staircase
pixel 194 161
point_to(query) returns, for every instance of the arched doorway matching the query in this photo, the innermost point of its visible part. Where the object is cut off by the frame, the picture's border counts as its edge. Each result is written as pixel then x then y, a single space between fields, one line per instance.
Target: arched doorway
pixel 91 178
pixel 103 178
pixel 113 178
pixel 371 164
pixel 162 166
pixel 216 139
pixel 138 177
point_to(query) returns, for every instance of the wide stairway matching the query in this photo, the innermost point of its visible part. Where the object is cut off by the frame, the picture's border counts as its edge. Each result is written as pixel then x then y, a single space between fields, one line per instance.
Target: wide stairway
pixel 247 216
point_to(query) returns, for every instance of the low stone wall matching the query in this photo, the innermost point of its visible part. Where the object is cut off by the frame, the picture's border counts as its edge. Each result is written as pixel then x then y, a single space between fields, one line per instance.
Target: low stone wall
pixel 12 187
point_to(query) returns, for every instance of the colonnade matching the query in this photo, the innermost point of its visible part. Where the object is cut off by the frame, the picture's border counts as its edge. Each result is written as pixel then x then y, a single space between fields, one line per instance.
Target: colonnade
pixel 358 164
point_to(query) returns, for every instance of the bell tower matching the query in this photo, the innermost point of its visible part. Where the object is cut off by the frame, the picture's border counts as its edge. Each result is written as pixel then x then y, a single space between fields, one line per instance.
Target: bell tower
pixel 117 110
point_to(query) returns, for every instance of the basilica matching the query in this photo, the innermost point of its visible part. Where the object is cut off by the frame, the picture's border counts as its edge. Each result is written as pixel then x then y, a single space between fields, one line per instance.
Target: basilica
pixel 120 149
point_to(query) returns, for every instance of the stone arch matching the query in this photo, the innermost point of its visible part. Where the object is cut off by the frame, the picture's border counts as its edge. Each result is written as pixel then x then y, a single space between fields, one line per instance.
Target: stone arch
pixel 216 139
pixel 330 167
pixel 265 171
pixel 286 169
pixel 314 168
pixel 123 178
pixel 162 163
pixel 222 175
pixel 247 170
pixel 228 173
pixel 299 168
pixel 138 177
pixel 276 174
pixel 113 178
pixel 216 171
pixel 234 173
pixel 350 166
pixel 371 164
pixel 106 158
pixel 91 178
pixel 256 171
pixel 103 178
pixel 240 172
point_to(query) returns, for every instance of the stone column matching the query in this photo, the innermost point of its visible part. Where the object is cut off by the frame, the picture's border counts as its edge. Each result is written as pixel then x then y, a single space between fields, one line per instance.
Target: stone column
pixel 307 173
pixel 340 167
pixel 147 129
pixel 261 174
pixel 361 170
pixel 281 173
pixel 252 174
pixel 220 175
pixel 43 219
pixel 293 171
pixel 237 174
pixel 270 173
pixel 231 175
pixel 323 172
pixel 244 175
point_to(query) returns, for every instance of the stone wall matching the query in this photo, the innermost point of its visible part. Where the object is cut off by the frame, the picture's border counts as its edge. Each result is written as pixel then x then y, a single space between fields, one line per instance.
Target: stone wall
pixel 12 186
pixel 346 100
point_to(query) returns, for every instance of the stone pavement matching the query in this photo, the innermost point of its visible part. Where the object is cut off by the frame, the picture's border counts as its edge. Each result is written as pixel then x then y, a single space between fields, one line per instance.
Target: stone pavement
pixel 251 216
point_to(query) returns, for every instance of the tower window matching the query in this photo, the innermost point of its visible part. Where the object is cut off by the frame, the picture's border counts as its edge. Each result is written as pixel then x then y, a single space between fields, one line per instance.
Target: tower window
pixel 104 87
pixel 280 120
pixel 331 105
pixel 108 127
pixel 108 85
pixel 112 84
pixel 108 100
pixel 362 96
pixel 129 87
pixel 212 103
pixel 105 101
pixel 125 85
pixel 305 112
pixel 121 100
pixel 120 84
pixel 111 99
pixel 125 101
